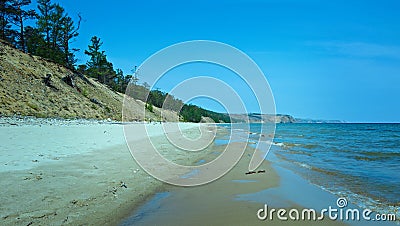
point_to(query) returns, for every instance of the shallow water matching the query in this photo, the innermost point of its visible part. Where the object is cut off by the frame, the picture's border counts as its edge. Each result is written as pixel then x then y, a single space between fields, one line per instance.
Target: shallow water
pixel 147 209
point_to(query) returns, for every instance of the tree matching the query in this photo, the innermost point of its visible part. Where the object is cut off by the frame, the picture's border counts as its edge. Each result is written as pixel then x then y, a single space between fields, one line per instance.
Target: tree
pixel 134 78
pixel 69 32
pixel 121 81
pixel 157 98
pixel 149 107
pixel 98 66
pixel 35 44
pixel 126 81
pixel 58 30
pixel 82 68
pixel 56 19
pixel 44 25
pixel 146 85
pixel 97 58
pixel 19 16
pixel 5 16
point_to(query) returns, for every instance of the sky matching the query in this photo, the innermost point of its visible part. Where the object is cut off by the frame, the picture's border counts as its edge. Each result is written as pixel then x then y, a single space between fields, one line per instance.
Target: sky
pixel 322 59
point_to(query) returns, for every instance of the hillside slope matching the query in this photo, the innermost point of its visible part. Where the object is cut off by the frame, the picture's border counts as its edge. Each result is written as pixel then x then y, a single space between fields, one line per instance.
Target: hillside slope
pixel 25 91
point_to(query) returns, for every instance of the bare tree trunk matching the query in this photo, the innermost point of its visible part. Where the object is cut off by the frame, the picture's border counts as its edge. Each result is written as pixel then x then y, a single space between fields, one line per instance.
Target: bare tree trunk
pixel 3 20
pixel 22 35
pixel 66 49
pixel 3 27
pixel 47 32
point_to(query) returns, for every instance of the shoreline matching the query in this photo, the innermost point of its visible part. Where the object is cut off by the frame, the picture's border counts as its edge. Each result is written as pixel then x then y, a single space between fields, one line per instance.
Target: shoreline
pixel 176 205
pixel 86 174
pixel 282 189
pixel 233 199
pixel 227 200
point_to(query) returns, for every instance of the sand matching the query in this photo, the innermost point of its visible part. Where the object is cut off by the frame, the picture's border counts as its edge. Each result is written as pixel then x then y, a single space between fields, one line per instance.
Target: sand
pixel 73 174
pixel 84 174
pixel 228 200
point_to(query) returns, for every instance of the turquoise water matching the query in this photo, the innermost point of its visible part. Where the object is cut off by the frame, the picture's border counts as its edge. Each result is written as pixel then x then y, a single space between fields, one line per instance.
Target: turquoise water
pixel 357 161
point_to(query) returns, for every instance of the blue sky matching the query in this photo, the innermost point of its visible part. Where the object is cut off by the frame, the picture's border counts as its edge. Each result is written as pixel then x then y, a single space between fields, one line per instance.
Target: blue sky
pixel 323 59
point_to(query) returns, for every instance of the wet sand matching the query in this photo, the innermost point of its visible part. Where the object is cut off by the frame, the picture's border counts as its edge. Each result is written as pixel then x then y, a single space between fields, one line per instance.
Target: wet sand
pixel 233 199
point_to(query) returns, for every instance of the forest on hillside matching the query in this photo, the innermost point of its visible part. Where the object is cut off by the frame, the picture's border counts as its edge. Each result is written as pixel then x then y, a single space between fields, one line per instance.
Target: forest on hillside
pixel 48 31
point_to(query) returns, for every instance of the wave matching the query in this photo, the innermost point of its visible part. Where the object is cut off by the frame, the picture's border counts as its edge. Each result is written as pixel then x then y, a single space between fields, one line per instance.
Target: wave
pixel 278 144
pixel 354 193
pixel 305 166
pixel 316 169
pixel 310 146
pixel 285 145
pixel 380 154
pixel 356 161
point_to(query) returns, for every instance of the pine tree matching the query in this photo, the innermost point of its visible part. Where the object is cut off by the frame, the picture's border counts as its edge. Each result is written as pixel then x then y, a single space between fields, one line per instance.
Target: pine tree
pixel 134 78
pixel 44 25
pixel 6 33
pixel 35 43
pixel 18 17
pixel 56 20
pixel 98 66
pixel 58 30
pixel 97 58
pixel 69 32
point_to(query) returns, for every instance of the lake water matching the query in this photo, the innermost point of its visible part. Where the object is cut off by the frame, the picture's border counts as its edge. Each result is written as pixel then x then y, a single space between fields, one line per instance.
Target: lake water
pixel 358 161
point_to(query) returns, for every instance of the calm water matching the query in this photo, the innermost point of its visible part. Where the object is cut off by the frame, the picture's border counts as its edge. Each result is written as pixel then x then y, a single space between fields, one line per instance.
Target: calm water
pixel 357 161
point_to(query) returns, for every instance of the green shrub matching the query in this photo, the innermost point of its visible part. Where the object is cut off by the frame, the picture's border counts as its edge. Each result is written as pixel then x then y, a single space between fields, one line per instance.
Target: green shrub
pixel 85 93
pixel 149 107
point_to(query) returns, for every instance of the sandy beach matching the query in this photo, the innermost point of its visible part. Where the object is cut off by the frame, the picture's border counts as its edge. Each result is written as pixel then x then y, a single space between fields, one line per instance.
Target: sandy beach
pixel 233 199
pixel 72 173
pixel 57 172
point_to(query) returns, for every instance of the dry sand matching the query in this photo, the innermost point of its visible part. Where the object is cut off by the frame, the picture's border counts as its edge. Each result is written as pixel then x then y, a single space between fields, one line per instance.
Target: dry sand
pixel 74 174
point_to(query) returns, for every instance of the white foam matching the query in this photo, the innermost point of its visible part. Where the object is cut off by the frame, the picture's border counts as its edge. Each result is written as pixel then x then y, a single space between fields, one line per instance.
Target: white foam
pixel 278 144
